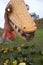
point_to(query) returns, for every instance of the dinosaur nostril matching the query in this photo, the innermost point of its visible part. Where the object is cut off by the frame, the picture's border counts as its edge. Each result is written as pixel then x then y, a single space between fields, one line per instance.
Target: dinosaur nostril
pixel 24 27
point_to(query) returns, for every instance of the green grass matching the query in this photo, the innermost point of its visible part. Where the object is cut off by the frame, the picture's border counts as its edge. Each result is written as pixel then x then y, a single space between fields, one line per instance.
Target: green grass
pixel 37 42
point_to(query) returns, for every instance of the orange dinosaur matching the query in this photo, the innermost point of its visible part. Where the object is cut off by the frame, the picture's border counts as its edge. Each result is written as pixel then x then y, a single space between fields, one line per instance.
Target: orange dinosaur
pixel 18 19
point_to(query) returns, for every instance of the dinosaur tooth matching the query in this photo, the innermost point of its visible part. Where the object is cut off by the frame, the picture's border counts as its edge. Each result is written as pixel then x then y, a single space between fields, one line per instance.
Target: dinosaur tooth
pixel 21 32
pixel 14 25
pixel 17 29
pixel 26 34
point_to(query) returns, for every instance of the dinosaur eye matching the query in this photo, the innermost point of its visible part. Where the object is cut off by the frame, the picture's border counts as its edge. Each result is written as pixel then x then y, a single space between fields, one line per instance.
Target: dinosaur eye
pixel 8 9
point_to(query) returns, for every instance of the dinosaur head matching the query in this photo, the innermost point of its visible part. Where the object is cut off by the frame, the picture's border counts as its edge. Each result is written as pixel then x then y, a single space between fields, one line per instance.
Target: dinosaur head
pixel 20 19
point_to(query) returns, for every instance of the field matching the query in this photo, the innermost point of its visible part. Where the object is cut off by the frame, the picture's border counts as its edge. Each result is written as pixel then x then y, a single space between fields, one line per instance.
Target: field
pixel 36 44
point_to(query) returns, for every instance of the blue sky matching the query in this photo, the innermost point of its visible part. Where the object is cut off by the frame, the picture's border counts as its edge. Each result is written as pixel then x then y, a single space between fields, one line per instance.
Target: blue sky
pixel 34 5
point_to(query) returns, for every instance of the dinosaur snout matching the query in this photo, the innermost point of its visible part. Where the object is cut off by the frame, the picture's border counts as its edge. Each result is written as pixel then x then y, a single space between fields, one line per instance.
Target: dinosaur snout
pixel 29 28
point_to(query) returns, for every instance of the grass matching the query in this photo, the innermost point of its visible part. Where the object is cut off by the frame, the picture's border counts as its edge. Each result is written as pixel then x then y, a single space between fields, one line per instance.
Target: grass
pixel 37 42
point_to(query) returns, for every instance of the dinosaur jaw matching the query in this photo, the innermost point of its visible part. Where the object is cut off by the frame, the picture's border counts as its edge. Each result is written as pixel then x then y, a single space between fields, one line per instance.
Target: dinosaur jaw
pixel 27 36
